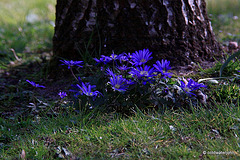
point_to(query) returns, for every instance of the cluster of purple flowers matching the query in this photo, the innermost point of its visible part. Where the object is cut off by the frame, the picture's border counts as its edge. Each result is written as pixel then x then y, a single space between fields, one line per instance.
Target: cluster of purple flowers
pixel 130 69
pixel 138 70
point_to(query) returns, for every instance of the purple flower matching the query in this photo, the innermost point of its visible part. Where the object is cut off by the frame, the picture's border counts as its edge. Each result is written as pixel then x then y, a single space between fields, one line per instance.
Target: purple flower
pixel 140 72
pixel 114 57
pixel 107 59
pixel 71 63
pixel 119 83
pixel 163 68
pixel 141 57
pixel 87 90
pixel 76 88
pixel 123 68
pixel 129 55
pixel 97 60
pixel 103 59
pixel 143 73
pixel 130 82
pixel 123 58
pixel 35 85
pixel 109 72
pixel 62 94
pixel 190 86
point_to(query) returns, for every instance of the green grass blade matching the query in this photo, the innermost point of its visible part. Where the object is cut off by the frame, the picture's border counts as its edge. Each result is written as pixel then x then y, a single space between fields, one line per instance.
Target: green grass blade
pixel 227 61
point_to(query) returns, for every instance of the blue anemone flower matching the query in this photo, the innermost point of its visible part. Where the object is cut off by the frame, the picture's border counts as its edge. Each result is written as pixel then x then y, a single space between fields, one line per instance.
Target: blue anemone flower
pixel 114 57
pixel 191 86
pixel 123 68
pixel 35 85
pixel 119 83
pixel 87 90
pixel 103 59
pixel 62 94
pixel 107 59
pixel 123 57
pixel 140 72
pixel 71 63
pixel 143 73
pixel 163 68
pixel 109 72
pixel 141 57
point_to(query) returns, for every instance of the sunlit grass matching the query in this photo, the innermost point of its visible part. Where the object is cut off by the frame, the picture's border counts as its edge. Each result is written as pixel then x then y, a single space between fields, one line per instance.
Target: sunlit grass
pixel 15 12
pixel 26 27
pixel 223 6
pixel 225 17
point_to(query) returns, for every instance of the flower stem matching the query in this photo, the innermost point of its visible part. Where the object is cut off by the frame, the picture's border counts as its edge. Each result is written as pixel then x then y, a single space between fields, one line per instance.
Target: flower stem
pixel 73 74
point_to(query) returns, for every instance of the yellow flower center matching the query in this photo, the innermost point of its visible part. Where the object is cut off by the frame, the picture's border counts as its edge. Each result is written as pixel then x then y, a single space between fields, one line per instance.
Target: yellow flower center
pixel 187 89
pixel 143 60
pixel 90 94
pixel 117 86
pixel 143 73
pixel 113 57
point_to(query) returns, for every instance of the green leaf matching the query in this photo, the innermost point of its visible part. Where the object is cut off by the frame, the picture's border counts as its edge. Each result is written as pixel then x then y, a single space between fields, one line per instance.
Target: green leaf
pixel 227 61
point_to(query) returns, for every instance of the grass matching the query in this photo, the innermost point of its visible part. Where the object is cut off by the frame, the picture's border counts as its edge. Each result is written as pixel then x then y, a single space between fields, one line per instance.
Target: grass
pixel 26 27
pixel 223 6
pixel 53 130
pixel 225 18
pixel 172 135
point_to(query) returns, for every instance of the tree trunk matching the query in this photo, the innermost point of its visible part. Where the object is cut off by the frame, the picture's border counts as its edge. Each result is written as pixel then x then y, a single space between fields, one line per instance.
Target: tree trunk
pixel 177 30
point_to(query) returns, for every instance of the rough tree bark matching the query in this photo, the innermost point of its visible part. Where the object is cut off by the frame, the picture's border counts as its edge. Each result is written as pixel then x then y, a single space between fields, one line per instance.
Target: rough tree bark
pixel 178 30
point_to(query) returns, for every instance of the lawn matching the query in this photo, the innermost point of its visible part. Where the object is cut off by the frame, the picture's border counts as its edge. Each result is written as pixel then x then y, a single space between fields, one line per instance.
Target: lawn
pixel 35 123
